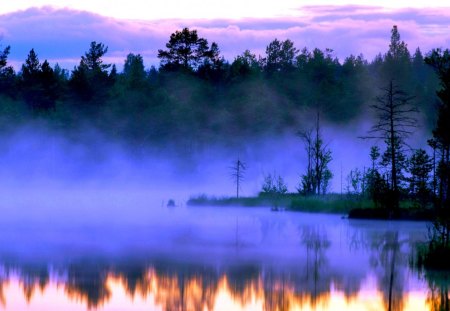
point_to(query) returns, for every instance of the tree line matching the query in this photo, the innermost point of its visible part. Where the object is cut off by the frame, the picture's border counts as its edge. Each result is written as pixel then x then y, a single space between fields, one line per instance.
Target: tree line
pixel 196 97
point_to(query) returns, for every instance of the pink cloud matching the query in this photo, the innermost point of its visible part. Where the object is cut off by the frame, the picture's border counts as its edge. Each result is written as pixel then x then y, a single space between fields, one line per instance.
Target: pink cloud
pixel 62 34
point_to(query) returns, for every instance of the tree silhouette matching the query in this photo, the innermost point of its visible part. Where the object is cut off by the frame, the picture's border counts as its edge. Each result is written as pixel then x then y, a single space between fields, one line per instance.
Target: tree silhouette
pixel 187 51
pixel 440 61
pixel 7 75
pixel 237 173
pixel 420 166
pixel 280 56
pixel 318 175
pixel 90 79
pixel 394 123
pixel 134 71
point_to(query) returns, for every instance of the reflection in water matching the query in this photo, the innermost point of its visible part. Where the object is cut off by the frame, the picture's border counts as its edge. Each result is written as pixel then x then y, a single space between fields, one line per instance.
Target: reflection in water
pixel 389 260
pixel 293 262
pixel 195 288
pixel 316 243
pixel 438 295
pixel 159 291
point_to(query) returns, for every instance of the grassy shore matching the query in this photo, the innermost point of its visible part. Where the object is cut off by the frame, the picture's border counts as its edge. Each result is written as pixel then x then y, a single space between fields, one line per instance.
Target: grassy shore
pixel 330 203
pixel 355 206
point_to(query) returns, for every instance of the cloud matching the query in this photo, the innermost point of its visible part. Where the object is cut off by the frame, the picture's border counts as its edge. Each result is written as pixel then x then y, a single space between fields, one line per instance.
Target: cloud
pixel 63 35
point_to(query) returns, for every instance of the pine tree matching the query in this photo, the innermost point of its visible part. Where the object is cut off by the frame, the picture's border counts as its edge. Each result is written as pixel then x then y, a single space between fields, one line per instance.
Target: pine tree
pixel 420 167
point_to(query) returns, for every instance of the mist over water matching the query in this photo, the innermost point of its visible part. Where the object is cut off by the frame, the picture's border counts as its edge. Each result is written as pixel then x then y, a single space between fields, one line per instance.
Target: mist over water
pixel 80 211
pixel 54 186
pixel 44 167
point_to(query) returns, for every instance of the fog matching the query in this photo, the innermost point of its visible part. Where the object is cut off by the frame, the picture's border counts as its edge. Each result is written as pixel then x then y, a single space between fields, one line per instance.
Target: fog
pixel 81 206
pixel 46 168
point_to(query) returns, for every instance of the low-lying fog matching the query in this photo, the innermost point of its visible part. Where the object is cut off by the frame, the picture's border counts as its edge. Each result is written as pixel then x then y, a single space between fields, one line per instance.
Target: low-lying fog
pixel 42 168
pixel 71 195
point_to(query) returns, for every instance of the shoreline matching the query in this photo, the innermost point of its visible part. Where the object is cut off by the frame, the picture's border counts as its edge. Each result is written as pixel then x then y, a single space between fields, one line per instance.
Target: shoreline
pixel 352 206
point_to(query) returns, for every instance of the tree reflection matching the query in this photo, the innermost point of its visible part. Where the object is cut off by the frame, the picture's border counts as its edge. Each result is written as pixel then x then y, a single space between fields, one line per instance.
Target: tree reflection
pixel 87 282
pixel 135 279
pixel 438 295
pixel 390 264
pixel 34 277
pixel 243 281
pixel 182 286
pixel 2 293
pixel 316 243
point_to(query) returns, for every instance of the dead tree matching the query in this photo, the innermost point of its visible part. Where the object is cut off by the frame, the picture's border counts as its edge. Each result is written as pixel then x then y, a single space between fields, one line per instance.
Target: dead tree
pixel 395 122
pixel 237 173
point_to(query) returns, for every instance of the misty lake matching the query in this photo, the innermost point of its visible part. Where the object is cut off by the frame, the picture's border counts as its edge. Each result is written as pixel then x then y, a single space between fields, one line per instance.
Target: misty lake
pixel 189 258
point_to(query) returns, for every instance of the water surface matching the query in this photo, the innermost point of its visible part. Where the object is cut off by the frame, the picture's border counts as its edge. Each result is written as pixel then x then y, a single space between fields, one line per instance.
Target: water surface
pixel 212 259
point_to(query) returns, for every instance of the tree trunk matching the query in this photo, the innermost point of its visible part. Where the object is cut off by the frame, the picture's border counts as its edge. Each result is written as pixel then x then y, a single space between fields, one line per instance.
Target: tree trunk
pixel 393 151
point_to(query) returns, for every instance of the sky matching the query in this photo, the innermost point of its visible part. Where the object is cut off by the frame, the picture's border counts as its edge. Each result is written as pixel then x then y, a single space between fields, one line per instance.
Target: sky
pixel 61 30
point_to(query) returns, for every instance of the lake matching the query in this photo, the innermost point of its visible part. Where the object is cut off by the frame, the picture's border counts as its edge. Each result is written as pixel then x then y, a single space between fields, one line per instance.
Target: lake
pixel 211 259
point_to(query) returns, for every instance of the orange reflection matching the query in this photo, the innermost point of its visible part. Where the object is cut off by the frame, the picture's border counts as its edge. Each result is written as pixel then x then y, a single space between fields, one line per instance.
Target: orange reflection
pixel 2 293
pixel 156 290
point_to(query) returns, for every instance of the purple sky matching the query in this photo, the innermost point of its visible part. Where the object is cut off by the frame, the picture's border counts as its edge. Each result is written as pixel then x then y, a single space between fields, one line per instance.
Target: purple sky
pixel 63 34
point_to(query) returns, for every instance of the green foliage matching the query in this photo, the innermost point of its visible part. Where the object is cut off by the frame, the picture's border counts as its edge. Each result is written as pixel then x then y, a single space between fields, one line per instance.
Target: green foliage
pixel 395 121
pixel 208 100
pixel 134 75
pixel 434 256
pixel 92 59
pixel 420 167
pixel 7 74
pixel 374 155
pixel 90 80
pixel 380 192
pixel 187 51
pixel 273 184
pixel 280 56
pixel 355 181
pixel 38 84
pixel 318 175
pixel 330 203
pixel 395 156
pixel 437 252
pixel 245 65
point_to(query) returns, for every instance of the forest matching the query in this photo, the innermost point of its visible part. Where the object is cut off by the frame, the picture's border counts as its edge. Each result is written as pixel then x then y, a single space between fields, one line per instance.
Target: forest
pixel 196 97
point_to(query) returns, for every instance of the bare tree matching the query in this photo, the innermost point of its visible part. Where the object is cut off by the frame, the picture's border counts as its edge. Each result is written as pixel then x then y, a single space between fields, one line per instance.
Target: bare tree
pixel 308 178
pixel 395 122
pixel 237 173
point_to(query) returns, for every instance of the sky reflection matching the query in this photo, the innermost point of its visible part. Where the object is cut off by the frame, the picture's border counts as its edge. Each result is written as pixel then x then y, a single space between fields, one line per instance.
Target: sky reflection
pixel 169 290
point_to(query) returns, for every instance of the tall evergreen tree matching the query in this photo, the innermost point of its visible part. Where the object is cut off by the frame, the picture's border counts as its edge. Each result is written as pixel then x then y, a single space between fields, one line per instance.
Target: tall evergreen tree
pixel 280 56
pixel 39 85
pixel 30 80
pixel 134 71
pixel 419 167
pixel 90 80
pixel 397 63
pixel 244 66
pixel 50 87
pixel 7 75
